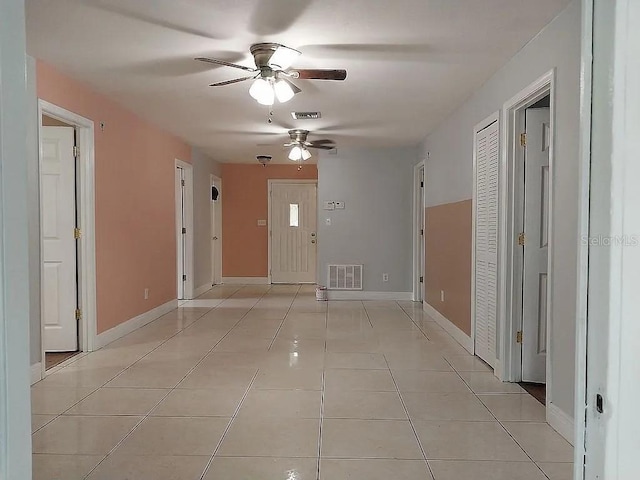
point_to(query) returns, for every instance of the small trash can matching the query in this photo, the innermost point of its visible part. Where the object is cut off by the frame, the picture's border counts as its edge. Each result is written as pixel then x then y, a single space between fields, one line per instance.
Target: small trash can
pixel 321 293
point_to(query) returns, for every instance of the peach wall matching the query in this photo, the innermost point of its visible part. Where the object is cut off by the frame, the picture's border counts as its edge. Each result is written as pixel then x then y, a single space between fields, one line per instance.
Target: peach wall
pixel 135 207
pixel 245 189
pixel 448 261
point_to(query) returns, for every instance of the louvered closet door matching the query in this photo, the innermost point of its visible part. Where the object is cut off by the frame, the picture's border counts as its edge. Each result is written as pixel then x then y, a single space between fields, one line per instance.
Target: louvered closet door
pixel 486 246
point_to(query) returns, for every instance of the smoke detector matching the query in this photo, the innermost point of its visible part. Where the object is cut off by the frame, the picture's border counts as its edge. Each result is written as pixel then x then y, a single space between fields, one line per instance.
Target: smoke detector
pixel 263 159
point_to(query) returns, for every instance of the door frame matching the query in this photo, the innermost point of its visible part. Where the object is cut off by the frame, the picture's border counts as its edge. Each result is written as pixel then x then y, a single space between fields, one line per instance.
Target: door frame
pixel 216 181
pixel 270 183
pixel 419 242
pixel 85 212
pixel 511 215
pixel 188 222
pixel 493 118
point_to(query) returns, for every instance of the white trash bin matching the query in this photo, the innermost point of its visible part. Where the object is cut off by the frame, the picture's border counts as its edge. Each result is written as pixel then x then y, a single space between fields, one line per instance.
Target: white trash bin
pixel 321 293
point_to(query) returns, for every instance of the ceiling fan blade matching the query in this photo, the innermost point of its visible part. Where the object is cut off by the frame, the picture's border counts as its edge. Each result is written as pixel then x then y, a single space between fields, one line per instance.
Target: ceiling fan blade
pixel 226 64
pixel 322 140
pixel 229 82
pixel 321 147
pixel 311 74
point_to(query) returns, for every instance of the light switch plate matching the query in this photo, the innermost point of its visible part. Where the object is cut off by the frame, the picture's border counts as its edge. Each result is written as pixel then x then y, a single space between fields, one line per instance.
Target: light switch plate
pixel 339 205
pixel 262 223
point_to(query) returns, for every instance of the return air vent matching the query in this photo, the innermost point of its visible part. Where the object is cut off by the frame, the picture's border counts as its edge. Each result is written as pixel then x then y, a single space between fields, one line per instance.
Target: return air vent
pixel 345 277
pixel 306 115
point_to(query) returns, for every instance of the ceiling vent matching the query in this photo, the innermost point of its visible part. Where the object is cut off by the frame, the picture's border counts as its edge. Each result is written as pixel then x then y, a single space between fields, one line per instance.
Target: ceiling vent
pixel 306 115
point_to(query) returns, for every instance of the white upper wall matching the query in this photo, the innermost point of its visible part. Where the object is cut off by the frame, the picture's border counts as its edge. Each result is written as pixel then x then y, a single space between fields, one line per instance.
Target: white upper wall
pixel 203 168
pixel 449 168
pixel 375 228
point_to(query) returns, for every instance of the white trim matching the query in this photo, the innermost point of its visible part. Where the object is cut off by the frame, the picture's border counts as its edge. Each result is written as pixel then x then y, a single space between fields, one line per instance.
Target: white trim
pixel 188 223
pixel 270 183
pixel 584 172
pixel 201 290
pixel 418 241
pixel 246 280
pixel 510 261
pixel 495 117
pixel 216 263
pixel 86 217
pixel 360 295
pixel 36 372
pixel 560 422
pixel 457 334
pixel 135 323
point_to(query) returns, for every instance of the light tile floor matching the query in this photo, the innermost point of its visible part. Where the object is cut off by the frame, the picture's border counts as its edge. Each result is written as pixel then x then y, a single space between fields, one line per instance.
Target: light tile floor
pixel 265 383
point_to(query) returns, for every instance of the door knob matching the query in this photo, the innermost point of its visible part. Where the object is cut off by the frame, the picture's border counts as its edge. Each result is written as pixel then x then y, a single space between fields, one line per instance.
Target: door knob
pixel 313 241
pixel 215 238
pixel 313 234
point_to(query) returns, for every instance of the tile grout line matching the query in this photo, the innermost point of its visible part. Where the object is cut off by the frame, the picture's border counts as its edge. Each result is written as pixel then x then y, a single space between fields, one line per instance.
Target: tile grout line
pixel 273 340
pixel 406 411
pixel 228 427
pixel 497 420
pixel 144 417
pixel 322 392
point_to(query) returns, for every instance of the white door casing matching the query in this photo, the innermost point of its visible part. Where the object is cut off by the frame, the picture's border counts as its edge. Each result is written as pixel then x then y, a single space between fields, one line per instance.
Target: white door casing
pixel 486 156
pixel 216 233
pixel 180 231
pixel 536 230
pixel 57 193
pixel 293 226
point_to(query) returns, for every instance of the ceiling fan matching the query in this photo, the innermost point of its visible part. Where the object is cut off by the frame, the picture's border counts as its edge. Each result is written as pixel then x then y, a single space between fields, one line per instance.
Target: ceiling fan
pixel 300 145
pixel 273 73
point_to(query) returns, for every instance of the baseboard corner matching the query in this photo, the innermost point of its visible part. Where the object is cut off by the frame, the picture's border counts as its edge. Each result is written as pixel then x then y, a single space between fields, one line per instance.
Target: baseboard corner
pixel 36 372
pixel 457 334
pixel 561 422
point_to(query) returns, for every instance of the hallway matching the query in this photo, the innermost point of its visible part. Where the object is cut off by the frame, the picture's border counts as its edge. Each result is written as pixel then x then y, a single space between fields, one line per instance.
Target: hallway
pixel 266 383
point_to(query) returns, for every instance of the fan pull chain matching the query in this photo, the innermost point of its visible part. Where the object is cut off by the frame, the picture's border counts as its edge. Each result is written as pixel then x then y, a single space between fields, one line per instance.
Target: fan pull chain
pixel 269 119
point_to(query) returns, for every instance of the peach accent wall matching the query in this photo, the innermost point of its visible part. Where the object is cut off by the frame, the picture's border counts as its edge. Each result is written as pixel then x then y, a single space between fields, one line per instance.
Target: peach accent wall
pixel 448 261
pixel 245 188
pixel 135 206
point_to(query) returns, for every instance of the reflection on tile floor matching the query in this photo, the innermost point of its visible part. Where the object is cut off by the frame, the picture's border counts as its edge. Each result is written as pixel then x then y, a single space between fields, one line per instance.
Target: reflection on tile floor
pixel 263 382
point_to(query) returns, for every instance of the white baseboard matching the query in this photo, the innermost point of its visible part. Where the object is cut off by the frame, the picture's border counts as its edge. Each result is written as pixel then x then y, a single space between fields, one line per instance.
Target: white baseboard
pixel 360 295
pixel 245 280
pixel 457 334
pixel 201 290
pixel 560 422
pixel 135 323
pixel 36 372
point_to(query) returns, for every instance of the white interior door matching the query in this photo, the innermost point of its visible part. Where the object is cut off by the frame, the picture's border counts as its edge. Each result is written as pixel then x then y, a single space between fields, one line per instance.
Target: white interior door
pixel 181 231
pixel 58 207
pixel 486 242
pixel 293 233
pixel 536 230
pixel 216 232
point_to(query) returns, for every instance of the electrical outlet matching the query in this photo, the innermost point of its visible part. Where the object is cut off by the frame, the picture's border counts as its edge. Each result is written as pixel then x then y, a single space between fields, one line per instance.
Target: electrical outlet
pixel 146 294
pixel 442 295
pixel 385 277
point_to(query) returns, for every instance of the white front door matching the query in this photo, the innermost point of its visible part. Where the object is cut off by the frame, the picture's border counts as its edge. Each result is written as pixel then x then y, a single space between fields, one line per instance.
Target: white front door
pixel 58 206
pixel 536 230
pixel 293 233
pixel 216 231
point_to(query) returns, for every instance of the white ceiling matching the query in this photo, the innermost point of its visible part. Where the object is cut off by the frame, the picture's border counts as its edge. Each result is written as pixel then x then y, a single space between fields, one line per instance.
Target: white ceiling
pixel 409 62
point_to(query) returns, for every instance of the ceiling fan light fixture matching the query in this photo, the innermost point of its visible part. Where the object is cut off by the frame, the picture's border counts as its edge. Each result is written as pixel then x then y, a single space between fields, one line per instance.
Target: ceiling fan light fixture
pixel 283 57
pixel 262 92
pixel 283 91
pixel 295 154
pixel 306 154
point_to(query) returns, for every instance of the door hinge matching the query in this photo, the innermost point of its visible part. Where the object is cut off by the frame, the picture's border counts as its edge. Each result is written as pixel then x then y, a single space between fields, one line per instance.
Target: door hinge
pixel 523 139
pixel 421 231
pixel 78 314
pixel 77 233
pixel 421 184
pixel 76 151
pixel 421 279
pixel 184 231
pixel 182 182
pixel 521 239
pixel 184 278
pixel 519 337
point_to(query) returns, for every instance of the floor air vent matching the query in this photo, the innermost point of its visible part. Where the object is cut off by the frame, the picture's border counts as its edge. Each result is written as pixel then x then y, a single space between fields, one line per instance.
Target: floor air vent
pixel 345 277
